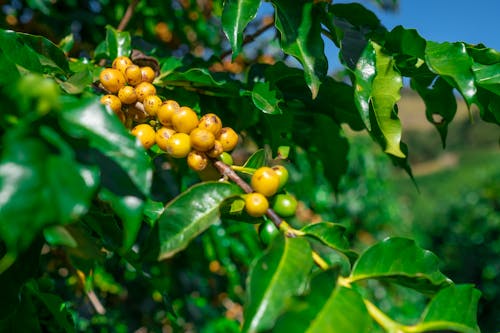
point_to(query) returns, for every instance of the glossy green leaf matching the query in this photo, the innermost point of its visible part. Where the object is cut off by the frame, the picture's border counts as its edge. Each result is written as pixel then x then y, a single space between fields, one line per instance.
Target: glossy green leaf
pixel 451 61
pixel 35 53
pixel 58 235
pixel 256 160
pixel 453 308
pixel 328 308
pixel 332 235
pixel 118 43
pixel 406 42
pixel 401 261
pixel 265 98
pixel 488 76
pixel 235 17
pixel 88 119
pixel 385 93
pixel 300 29
pixel 200 78
pixel 364 74
pixel 279 273
pixel 190 214
pixel 78 82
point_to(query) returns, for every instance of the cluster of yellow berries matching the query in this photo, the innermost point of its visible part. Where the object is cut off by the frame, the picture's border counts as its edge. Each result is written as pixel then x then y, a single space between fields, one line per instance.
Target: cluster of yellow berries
pixel 175 129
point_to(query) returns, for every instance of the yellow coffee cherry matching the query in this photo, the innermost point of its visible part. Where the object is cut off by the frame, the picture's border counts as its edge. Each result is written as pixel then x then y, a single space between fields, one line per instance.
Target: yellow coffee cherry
pixel 148 74
pixel 197 160
pixel 201 139
pixel 167 109
pixel 228 138
pixel 112 102
pixel 184 120
pixel 216 150
pixel 127 95
pixel 265 181
pixel 146 135
pixel 112 79
pixel 162 136
pixel 179 145
pixel 152 104
pixel 133 75
pixel 211 122
pixel 282 173
pixel 256 204
pixel 122 62
pixel 144 89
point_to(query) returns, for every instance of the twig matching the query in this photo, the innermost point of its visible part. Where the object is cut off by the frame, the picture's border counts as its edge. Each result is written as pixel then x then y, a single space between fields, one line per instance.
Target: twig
pixel 94 300
pixel 250 38
pixel 128 15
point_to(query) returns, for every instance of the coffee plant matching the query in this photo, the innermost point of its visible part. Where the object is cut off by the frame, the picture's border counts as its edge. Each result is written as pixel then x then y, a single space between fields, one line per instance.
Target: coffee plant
pixel 145 178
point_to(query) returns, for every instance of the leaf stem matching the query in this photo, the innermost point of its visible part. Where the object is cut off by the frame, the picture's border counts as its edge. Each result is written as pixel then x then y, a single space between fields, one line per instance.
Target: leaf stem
pixel 320 262
pixel 382 319
pixel 128 15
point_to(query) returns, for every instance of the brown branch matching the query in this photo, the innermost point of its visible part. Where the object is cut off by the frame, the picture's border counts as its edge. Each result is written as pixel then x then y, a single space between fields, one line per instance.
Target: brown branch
pixel 128 15
pixel 250 38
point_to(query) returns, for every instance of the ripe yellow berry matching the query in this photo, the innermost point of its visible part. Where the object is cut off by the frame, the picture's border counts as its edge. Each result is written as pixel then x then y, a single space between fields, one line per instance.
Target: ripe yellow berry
pixel 265 181
pixel 148 74
pixel 179 145
pixel 144 89
pixel 228 138
pixel 216 150
pixel 122 62
pixel 146 135
pixel 201 139
pixel 127 95
pixel 151 104
pixel 184 120
pixel 165 112
pixel 197 160
pixel 162 136
pixel 256 204
pixel 133 75
pixel 111 79
pixel 211 122
pixel 112 102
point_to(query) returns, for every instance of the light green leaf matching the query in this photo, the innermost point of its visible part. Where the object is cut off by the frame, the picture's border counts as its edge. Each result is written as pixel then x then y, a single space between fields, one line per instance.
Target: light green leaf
pixel 265 98
pixel 190 214
pixel 401 261
pixel 332 235
pixel 274 277
pixel 235 17
pixel 256 160
pixel 488 76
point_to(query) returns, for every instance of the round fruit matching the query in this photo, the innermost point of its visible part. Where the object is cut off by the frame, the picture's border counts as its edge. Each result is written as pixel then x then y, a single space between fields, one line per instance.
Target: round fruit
pixel 267 232
pixel 146 135
pixel 144 89
pixel 127 95
pixel 197 160
pixel 112 79
pixel 226 158
pixel 152 104
pixel 162 136
pixel 148 74
pixel 179 145
pixel 216 150
pixel 211 122
pixel 184 120
pixel 285 205
pixel 133 75
pixel 201 139
pixel 112 102
pixel 282 172
pixel 165 112
pixel 265 181
pixel 256 204
pixel 228 138
pixel 122 62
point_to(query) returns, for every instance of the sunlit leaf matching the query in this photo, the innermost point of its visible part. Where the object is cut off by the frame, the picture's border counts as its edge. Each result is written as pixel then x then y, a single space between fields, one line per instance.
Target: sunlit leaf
pixel 332 235
pixel 235 17
pixel 118 43
pixel 364 73
pixel 265 98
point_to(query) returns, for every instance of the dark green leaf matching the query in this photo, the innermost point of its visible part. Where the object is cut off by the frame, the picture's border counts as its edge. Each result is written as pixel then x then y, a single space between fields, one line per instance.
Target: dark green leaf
pixel 451 61
pixel 332 235
pixel 406 42
pixel 365 73
pixel 265 98
pixel 274 277
pixel 300 29
pixel 58 235
pixel 8 69
pixel 118 43
pixel 190 214
pixel 201 78
pixel 401 261
pixel 235 17
pixel 256 160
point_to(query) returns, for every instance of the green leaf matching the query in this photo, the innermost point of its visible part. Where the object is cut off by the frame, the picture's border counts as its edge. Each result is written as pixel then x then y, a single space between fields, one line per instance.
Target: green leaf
pixel 364 74
pixel 78 82
pixel 452 308
pixel 279 273
pixel 235 17
pixel 118 43
pixel 300 29
pixel 385 93
pixel 8 69
pixel 265 98
pixel 58 235
pixel 326 309
pixel 451 61
pixel 89 120
pixel 406 42
pixel 34 53
pixel 401 261
pixel 488 76
pixel 256 160
pixel 200 78
pixel 190 214
pixel 332 235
